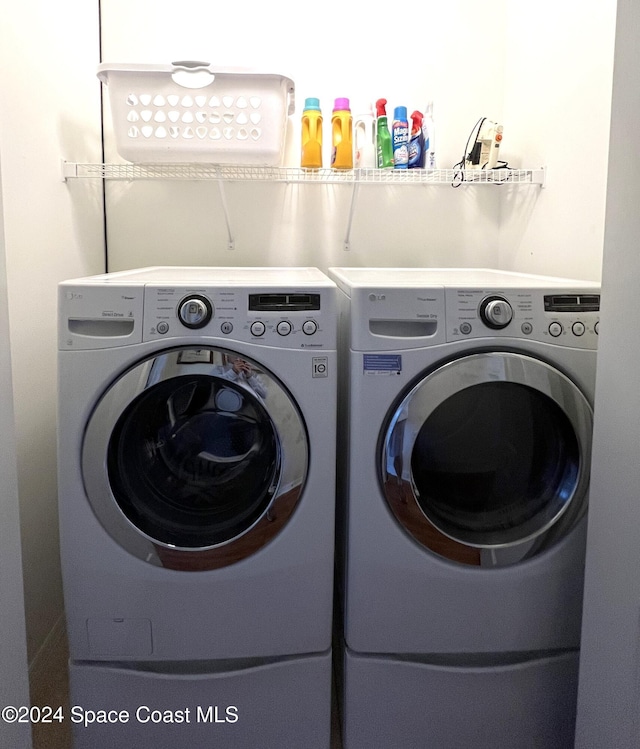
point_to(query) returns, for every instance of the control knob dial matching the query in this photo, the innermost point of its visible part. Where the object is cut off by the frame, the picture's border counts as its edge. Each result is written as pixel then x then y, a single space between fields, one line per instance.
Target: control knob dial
pixel 496 312
pixel 195 311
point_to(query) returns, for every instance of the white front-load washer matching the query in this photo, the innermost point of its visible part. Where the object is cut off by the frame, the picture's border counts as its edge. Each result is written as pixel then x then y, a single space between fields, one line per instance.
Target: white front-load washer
pixel 467 407
pixel 196 494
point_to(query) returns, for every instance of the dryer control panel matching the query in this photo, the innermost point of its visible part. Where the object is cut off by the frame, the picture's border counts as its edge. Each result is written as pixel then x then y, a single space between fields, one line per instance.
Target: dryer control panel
pixel 563 317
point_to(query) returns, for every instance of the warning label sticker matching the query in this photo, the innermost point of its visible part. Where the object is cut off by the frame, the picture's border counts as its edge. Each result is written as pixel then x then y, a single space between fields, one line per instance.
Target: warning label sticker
pixel 382 364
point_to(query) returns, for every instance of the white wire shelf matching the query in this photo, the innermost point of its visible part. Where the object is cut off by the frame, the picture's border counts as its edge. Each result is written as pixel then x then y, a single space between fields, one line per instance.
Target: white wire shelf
pixel 194 171
pixel 354 177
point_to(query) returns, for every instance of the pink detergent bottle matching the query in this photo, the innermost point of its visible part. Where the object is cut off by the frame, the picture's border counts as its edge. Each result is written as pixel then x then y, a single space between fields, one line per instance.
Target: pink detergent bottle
pixel 341 135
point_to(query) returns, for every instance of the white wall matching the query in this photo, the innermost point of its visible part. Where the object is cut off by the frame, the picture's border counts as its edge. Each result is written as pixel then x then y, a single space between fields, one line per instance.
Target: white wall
pixel 49 110
pixel 543 70
pixel 609 693
pixel 342 50
pixel 14 684
pixel 558 69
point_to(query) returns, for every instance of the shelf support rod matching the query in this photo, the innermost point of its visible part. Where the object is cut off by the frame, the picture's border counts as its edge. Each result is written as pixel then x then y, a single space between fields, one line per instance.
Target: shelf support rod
pixel 231 245
pixel 352 208
pixel 543 183
pixel 69 170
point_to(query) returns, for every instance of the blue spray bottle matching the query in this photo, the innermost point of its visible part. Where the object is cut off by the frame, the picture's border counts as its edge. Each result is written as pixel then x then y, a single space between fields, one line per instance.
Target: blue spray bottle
pixel 400 138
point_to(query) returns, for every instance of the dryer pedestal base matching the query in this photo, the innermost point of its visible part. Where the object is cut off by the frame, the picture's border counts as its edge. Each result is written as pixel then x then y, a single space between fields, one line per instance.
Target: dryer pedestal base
pixel 164 706
pixel 390 703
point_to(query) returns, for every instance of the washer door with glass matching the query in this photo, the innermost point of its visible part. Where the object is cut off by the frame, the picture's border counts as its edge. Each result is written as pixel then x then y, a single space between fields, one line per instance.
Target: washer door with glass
pixel 485 461
pixel 195 458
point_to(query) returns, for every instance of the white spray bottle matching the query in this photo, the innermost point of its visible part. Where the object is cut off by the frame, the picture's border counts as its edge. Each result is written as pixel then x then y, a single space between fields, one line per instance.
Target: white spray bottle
pixel 429 133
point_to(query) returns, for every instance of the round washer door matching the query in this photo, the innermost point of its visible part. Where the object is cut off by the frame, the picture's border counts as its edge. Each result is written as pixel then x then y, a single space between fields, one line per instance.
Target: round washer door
pixel 195 458
pixel 485 461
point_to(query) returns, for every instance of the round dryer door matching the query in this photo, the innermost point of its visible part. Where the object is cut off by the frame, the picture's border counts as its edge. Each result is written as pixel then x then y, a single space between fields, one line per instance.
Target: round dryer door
pixel 485 461
pixel 195 458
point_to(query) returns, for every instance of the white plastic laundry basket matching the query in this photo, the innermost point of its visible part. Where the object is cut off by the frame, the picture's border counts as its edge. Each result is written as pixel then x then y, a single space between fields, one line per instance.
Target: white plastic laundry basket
pixel 192 112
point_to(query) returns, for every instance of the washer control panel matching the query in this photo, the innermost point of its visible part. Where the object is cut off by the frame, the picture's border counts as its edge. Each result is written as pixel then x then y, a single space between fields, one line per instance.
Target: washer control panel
pixel 565 317
pixel 285 319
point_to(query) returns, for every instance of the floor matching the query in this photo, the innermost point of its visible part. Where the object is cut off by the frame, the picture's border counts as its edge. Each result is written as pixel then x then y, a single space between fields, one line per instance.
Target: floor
pixel 49 687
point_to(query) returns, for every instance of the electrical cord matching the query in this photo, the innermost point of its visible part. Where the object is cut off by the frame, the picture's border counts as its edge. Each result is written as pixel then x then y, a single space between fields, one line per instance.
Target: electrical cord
pixel 460 174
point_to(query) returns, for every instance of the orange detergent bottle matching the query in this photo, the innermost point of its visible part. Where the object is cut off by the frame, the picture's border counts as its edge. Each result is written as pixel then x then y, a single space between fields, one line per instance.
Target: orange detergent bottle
pixel 311 153
pixel 341 135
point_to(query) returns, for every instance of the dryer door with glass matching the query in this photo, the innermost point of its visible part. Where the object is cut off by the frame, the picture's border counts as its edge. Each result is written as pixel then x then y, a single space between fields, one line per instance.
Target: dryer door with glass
pixel 195 458
pixel 485 460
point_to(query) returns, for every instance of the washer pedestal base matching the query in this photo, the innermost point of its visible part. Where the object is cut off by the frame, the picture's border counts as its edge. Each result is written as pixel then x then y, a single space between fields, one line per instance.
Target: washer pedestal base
pixel 164 705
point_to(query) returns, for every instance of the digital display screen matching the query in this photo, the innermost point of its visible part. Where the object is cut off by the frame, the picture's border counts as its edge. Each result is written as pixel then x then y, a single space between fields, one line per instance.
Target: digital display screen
pixel 297 302
pixel 572 303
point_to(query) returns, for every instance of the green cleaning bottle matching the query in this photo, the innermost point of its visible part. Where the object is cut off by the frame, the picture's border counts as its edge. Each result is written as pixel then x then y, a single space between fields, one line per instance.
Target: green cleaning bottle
pixel 384 147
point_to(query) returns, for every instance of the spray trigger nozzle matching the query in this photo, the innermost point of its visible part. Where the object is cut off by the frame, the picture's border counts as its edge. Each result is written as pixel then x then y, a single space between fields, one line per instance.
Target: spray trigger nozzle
pixel 381 108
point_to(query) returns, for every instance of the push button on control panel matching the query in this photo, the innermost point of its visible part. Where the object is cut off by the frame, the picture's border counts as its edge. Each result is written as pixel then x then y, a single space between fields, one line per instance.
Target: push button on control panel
pixel 555 329
pixel 309 327
pixel 257 328
pixel 578 328
pixel 284 327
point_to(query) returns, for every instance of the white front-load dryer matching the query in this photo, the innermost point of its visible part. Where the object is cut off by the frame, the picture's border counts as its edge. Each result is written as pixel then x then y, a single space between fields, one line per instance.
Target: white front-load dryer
pixel 467 408
pixel 196 494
